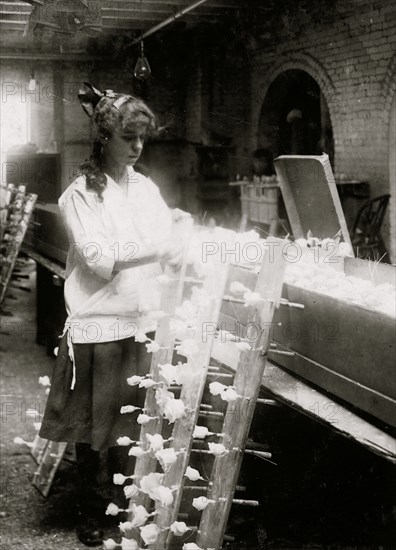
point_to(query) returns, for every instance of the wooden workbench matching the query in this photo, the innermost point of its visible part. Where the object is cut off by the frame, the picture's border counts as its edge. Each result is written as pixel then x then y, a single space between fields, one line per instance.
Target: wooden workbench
pixel 293 392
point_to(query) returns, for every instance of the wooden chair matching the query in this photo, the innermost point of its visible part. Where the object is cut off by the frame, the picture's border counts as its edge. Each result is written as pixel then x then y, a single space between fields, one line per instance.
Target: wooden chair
pixel 366 234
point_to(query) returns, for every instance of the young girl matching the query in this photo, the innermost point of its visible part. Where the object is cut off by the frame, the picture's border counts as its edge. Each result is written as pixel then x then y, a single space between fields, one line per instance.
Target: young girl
pixel 118 227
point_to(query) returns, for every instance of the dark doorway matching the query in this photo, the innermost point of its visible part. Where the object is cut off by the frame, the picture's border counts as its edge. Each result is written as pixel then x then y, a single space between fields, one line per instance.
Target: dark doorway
pixel 295 118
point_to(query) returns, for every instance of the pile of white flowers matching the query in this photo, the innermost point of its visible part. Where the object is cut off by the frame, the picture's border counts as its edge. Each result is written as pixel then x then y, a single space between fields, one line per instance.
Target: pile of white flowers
pixel 325 274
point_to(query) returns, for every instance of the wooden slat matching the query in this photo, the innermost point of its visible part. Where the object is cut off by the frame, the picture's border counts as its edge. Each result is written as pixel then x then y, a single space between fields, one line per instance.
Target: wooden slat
pixel 191 395
pixel 239 414
pixel 171 297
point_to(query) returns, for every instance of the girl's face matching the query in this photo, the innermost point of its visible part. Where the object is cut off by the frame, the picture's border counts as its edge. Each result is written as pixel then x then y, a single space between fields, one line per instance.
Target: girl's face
pixel 125 149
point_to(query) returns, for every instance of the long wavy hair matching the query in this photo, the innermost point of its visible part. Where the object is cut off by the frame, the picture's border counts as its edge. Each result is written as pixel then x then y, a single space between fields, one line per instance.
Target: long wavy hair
pixel 125 119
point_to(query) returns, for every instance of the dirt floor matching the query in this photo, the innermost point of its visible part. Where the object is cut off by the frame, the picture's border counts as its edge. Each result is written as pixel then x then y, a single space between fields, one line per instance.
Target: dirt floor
pixel 325 492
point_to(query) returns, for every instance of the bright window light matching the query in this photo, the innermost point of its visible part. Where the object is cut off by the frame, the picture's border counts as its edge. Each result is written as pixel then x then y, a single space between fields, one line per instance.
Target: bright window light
pixel 14 117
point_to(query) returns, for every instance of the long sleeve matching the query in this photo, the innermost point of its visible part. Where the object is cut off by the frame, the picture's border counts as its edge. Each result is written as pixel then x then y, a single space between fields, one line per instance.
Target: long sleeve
pixel 87 235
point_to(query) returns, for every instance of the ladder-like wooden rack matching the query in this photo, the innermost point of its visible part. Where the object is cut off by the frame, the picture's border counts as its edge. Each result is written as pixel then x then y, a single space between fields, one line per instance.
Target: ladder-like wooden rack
pixel 218 496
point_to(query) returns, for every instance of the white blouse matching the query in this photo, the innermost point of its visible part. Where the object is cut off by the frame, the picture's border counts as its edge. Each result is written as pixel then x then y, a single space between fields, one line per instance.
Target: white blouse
pixel 103 306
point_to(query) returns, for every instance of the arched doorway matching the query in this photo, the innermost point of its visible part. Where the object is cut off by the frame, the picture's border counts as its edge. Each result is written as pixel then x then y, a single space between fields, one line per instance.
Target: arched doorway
pixel 392 180
pixel 295 118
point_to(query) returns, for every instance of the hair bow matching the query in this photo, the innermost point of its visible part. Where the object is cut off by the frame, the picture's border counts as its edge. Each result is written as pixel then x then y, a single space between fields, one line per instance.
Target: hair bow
pixel 91 96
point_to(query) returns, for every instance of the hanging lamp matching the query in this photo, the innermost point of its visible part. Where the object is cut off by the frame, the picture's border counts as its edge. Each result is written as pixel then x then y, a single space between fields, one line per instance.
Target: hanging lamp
pixel 142 68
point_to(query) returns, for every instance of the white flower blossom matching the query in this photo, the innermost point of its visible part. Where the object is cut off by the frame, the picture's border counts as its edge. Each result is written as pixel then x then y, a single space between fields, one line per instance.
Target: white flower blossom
pixel 166 457
pixel 124 440
pixel 130 491
pixel 141 337
pixel 179 528
pixel 110 544
pixel 150 481
pixel 163 495
pixel 129 544
pixel 119 479
pixel 229 395
pixel 192 546
pixel 252 298
pixel 174 409
pixel 144 418
pixel 156 442
pixel 149 533
pixel 244 346
pixel 134 380
pixel 136 451
pixel 44 381
pixel 125 526
pixel 200 503
pixel 217 449
pixel 129 409
pixel 112 510
pixel 200 432
pixel 140 515
pixel 216 388
pixel 192 474
pixel 152 347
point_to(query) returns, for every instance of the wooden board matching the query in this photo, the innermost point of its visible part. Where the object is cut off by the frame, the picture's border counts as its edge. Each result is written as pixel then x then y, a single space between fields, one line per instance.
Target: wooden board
pixel 287 388
pixel 238 417
pixel 48 466
pixel 311 196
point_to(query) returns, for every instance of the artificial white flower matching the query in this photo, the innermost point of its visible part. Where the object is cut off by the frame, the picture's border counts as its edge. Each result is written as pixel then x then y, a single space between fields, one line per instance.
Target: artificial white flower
pixel 134 380
pixel 229 395
pixel 140 515
pixel 56 351
pixel 112 510
pixel 119 479
pixel 130 491
pixel 145 418
pixel 152 347
pixel 238 288
pixel 150 482
pixel 252 298
pixel 200 503
pixel 110 544
pixel 166 457
pixel 129 544
pixel 125 526
pixel 141 337
pixel 156 442
pixel 192 546
pixel 200 432
pixel 136 451
pixel 179 528
pixel 192 474
pixel 217 449
pixel 168 372
pixel 216 388
pixel 129 409
pixel 149 533
pixel 124 440
pixel 37 426
pixel 174 409
pixel 44 381
pixel 163 495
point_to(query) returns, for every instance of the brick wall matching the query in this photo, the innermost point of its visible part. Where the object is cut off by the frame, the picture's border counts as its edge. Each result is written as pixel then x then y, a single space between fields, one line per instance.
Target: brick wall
pixel 352 58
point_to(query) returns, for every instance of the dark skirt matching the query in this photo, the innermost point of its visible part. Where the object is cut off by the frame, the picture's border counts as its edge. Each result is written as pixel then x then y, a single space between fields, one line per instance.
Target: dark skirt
pixel 90 413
